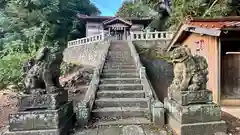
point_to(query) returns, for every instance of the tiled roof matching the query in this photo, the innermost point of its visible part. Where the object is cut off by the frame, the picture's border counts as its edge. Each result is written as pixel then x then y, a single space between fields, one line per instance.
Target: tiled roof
pixel 218 23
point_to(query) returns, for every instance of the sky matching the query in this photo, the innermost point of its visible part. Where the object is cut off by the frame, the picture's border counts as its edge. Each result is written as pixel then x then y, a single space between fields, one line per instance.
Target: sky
pixel 108 7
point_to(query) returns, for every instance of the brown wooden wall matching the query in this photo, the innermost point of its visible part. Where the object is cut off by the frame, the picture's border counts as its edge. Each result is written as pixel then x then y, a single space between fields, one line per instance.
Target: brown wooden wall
pixel 231 74
pixel 207 46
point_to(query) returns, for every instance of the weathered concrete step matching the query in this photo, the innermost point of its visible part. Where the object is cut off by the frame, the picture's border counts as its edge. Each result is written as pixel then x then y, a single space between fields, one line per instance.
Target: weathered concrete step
pixel 120 75
pixel 120 61
pixel 119 67
pixel 122 121
pixel 124 65
pixel 120 70
pixel 110 59
pixel 119 49
pixel 120 87
pixel 121 94
pixel 120 81
pixel 121 102
pixel 123 112
pixel 118 53
pixel 120 56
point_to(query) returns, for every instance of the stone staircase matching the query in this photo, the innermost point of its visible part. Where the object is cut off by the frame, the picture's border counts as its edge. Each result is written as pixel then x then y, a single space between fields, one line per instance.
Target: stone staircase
pixel 120 99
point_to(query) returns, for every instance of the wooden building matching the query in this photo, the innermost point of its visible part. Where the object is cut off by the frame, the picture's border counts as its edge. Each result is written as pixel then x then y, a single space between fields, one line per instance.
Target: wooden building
pixel 119 28
pixel 218 40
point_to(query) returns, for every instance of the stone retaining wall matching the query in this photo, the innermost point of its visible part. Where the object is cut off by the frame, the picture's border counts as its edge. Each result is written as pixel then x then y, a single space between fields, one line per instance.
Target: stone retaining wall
pixel 159 71
pixel 160 45
pixel 89 55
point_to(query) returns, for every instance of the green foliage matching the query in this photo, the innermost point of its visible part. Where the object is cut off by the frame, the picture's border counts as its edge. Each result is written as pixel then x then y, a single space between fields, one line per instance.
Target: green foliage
pixel 27 25
pixel 131 9
pixel 11 69
pixel 67 68
pixel 181 9
pixel 145 8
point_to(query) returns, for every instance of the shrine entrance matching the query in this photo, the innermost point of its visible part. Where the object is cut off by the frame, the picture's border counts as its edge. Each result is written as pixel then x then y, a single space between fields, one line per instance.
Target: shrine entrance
pixel 230 69
pixel 118 28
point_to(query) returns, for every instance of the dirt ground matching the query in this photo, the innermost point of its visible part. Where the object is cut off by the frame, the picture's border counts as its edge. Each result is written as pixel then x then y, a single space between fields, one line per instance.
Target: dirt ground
pixel 233 123
pixel 8 104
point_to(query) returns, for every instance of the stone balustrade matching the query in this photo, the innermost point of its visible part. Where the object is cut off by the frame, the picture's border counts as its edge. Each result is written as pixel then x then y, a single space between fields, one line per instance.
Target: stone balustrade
pixel 160 35
pixel 86 40
pixel 135 36
pixel 155 105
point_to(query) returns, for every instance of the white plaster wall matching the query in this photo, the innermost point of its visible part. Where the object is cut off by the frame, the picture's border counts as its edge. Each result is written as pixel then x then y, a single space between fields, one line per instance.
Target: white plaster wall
pixel 93 31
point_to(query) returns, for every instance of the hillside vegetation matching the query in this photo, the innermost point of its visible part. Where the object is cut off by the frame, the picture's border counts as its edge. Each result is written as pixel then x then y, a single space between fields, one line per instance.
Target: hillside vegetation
pixel 180 10
pixel 27 25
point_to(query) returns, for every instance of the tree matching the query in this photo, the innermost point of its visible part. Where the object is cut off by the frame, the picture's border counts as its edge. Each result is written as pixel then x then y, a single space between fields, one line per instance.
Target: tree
pixel 26 25
pixel 201 8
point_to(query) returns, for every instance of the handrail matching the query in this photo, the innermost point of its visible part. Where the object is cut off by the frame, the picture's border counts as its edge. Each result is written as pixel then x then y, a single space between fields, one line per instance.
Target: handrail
pixel 160 35
pixel 148 89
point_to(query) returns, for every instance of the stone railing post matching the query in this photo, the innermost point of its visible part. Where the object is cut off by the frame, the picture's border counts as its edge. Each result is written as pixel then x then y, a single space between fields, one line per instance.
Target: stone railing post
pixel 158 113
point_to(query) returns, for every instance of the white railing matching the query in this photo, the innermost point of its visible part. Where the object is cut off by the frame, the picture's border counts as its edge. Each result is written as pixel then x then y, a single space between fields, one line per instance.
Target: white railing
pixel 86 40
pixel 163 35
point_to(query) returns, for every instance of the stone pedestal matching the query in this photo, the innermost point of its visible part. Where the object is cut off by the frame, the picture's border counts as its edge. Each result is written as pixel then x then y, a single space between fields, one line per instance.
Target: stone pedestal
pixel 194 113
pixel 47 114
pixel 158 113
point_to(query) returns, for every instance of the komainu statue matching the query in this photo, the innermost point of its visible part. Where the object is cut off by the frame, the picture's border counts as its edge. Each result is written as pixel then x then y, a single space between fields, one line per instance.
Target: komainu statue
pixel 190 72
pixel 44 71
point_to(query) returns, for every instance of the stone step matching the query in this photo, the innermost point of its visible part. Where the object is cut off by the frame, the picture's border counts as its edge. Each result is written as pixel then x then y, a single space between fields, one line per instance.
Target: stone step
pixel 123 122
pixel 120 112
pixel 119 67
pixel 119 50
pixel 120 71
pixel 121 94
pixel 120 87
pixel 115 64
pixel 121 102
pixel 120 61
pixel 120 75
pixel 119 54
pixel 120 81
pixel 120 64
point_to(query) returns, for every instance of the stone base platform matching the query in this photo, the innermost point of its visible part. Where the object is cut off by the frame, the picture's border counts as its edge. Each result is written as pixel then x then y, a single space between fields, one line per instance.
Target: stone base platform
pixel 204 128
pixel 193 113
pixel 191 97
pixel 45 101
pixel 42 122
pixel 36 132
pixel 40 119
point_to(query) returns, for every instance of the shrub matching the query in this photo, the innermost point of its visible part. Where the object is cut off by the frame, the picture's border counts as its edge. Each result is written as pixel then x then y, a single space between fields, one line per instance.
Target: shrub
pixel 11 69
